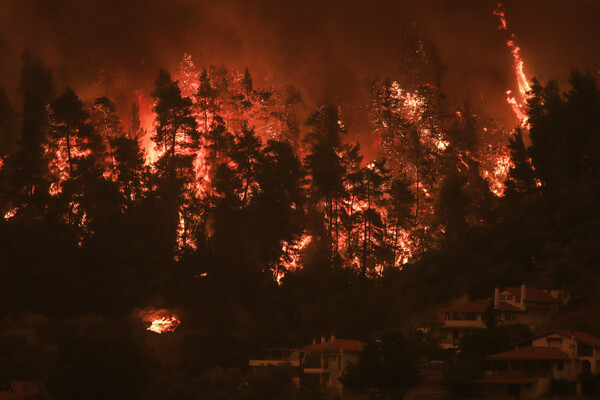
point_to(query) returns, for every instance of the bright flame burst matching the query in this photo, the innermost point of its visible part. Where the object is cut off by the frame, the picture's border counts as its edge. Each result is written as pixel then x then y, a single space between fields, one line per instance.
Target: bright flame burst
pixel 519 70
pixel 290 259
pixel 11 213
pixel 163 325
pixel 499 173
pixel 159 320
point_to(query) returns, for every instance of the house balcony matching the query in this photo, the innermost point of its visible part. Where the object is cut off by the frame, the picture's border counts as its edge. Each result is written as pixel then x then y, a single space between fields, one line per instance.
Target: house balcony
pixel 464 323
pixel 277 357
pixel 518 373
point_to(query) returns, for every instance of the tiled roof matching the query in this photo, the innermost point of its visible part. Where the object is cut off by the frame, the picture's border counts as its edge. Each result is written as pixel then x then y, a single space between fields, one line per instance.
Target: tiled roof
pixel 503 306
pixel 462 328
pixel 337 344
pixel 507 380
pixel 582 337
pixel 531 353
pixel 480 306
pixel 477 306
pixel 533 295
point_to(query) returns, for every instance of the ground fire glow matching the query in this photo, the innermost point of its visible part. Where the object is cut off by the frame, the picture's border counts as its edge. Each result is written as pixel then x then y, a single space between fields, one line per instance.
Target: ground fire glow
pixel 159 320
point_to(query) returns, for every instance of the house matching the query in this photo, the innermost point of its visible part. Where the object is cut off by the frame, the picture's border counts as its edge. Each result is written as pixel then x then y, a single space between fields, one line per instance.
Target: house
pixel 512 305
pixel 320 365
pixel 24 390
pixel 527 370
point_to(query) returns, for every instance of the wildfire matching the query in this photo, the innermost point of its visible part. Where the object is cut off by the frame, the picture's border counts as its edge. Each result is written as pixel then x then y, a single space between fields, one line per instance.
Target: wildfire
pixel 11 213
pixel 59 163
pixel 160 321
pixel 147 117
pixel 163 325
pixel 409 104
pixel 518 69
pixel 499 174
pixel 290 260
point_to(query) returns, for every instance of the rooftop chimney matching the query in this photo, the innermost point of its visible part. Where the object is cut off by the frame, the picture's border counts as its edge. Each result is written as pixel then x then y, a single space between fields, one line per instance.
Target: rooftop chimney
pixel 332 337
pixel 322 338
pixel 523 295
pixel 314 341
pixel 496 296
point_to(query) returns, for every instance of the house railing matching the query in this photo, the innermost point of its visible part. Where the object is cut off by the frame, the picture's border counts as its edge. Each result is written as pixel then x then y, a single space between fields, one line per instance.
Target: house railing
pixel 519 373
pixel 279 354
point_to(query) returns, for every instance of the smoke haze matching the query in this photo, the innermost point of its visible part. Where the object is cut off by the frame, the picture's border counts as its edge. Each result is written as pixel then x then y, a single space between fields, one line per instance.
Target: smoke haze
pixel 328 49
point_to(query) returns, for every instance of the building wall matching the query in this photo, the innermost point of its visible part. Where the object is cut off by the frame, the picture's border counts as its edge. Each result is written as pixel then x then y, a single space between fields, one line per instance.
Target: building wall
pixel 570 346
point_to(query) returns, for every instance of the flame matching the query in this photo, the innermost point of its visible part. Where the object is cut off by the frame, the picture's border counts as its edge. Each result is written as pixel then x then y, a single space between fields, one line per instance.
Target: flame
pixel 518 69
pixel 159 320
pixel 11 213
pixel 499 174
pixel 518 66
pixel 290 260
pixel 147 117
pixel 499 12
pixel 164 324
pixel 188 77
pixel 59 162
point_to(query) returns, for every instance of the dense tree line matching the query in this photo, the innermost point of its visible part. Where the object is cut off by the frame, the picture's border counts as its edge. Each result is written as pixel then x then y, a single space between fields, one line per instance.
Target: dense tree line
pixel 217 223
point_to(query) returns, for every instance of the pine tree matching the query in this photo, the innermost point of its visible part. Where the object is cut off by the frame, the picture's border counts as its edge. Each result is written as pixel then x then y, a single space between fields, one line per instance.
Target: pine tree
pixel 324 164
pixel 176 129
pixel 206 100
pixel 399 210
pixel 7 120
pixel 70 125
pixel 30 164
pixel 521 180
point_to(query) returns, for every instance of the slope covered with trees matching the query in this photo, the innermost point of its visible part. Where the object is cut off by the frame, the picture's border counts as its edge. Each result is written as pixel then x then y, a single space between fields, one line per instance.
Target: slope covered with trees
pixel 260 228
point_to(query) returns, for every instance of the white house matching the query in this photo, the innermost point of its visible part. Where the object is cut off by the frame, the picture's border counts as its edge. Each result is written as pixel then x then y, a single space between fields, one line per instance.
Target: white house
pixel 321 364
pixel 527 370
pixel 513 305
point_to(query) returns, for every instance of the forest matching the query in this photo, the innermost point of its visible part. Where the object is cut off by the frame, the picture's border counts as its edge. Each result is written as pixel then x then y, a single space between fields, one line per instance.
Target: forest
pixel 252 222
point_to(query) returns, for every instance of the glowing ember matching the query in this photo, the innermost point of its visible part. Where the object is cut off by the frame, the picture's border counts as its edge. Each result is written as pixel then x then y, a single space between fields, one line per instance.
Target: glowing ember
pixel 499 174
pixel 163 325
pixel 11 213
pixel 159 321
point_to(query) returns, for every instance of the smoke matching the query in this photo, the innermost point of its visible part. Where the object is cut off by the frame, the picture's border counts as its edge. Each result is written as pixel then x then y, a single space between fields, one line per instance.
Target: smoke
pixel 327 48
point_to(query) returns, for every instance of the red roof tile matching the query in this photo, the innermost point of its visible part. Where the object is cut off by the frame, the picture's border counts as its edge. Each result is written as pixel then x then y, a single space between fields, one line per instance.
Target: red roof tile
pixel 582 337
pixel 338 344
pixel 531 353
pixel 480 306
pixel 477 306
pixel 462 328
pixel 503 306
pixel 507 380
pixel 533 295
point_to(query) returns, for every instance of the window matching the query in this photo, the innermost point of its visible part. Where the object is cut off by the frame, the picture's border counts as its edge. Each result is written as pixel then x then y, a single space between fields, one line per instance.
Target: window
pixel 560 366
pixel 502 297
pixel 453 316
pixel 555 342
pixel 510 316
pixel 509 297
pixel 583 350
pixel 471 316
